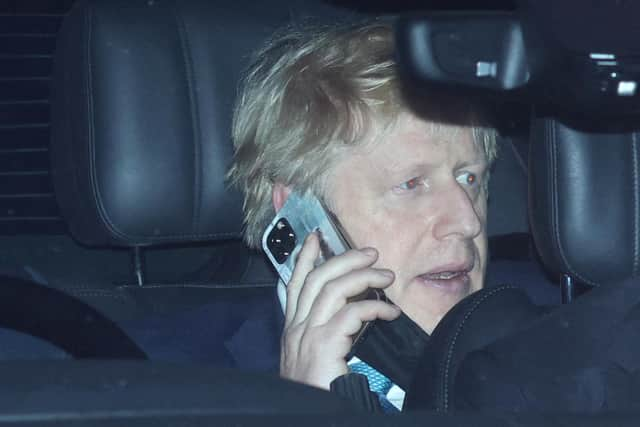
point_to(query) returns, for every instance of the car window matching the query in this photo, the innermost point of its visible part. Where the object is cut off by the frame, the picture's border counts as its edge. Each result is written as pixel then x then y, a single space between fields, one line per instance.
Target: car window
pixel 183 304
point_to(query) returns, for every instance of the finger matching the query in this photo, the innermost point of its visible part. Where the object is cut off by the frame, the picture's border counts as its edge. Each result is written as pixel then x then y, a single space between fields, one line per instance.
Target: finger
pixel 304 264
pixel 320 351
pixel 350 318
pixel 320 357
pixel 336 294
pixel 337 266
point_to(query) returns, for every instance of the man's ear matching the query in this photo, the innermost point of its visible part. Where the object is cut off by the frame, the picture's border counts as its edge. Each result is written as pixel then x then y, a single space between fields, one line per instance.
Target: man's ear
pixel 279 195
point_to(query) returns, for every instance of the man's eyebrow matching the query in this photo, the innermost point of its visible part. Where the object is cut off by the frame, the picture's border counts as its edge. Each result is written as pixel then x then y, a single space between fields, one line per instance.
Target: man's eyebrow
pixel 409 169
pixel 472 163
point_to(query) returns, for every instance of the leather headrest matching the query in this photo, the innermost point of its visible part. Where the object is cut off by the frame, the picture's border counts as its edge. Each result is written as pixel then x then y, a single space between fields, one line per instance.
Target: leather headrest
pixel 142 104
pixel 585 199
pixel 141 116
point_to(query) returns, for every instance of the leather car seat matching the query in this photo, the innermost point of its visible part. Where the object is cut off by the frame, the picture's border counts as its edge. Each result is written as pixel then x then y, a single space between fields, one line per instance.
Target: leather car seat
pixel 141 112
pixel 584 199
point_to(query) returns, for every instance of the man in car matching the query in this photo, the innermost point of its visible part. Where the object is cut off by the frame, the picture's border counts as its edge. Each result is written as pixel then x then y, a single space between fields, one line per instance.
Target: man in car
pixel 323 110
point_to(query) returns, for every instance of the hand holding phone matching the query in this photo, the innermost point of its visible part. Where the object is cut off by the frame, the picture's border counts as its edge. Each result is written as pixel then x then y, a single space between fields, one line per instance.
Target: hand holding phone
pixel 335 294
pixel 283 239
pixel 319 322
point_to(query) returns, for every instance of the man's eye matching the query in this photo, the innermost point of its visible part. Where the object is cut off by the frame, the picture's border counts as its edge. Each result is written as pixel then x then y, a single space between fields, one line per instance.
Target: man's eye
pixel 467 178
pixel 409 185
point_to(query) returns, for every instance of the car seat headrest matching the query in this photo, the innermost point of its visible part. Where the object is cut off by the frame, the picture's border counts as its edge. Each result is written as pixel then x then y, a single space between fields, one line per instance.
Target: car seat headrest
pixel 141 116
pixel 585 199
pixel 142 105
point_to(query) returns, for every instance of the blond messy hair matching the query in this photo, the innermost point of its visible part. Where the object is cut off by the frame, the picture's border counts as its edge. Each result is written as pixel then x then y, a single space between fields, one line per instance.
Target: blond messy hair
pixel 309 94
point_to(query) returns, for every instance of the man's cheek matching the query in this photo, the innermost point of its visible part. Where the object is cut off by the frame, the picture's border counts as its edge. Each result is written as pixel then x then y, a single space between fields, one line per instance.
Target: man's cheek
pixel 481 210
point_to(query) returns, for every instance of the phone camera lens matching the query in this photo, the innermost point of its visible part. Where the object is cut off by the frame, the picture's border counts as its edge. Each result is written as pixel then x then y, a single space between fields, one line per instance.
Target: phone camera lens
pixel 281 240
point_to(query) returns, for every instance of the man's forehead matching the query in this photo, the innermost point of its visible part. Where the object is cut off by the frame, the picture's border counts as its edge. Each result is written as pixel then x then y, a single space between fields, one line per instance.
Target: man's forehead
pixel 411 126
pixel 416 141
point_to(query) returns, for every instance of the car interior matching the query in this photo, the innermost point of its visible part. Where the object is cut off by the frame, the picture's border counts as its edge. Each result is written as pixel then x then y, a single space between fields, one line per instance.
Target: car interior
pixel 122 243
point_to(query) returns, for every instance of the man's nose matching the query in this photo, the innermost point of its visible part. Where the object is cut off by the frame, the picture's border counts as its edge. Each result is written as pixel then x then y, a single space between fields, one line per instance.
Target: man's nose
pixel 458 215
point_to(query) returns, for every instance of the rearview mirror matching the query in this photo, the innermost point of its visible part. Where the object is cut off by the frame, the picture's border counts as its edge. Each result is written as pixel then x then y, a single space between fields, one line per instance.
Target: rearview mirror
pixel 544 61
pixel 478 50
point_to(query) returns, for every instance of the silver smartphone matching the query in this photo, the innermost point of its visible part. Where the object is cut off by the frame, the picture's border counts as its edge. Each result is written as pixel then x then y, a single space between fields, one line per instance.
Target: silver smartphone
pixel 283 239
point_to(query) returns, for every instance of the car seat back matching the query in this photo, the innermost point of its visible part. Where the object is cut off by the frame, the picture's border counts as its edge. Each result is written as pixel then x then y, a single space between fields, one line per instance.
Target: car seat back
pixel 584 205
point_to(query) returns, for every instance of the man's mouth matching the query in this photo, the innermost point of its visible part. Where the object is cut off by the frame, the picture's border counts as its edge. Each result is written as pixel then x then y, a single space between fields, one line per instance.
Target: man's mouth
pixel 444 275
pixel 452 278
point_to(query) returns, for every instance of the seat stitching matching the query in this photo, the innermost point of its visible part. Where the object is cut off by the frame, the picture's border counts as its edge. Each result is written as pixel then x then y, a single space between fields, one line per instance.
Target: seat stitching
pixel 519 159
pixel 89 88
pixel 94 294
pixel 553 185
pixel 189 71
pixel 636 207
pixel 555 204
pixel 225 285
pixel 183 235
pixel 94 180
pixel 102 213
pixel 447 366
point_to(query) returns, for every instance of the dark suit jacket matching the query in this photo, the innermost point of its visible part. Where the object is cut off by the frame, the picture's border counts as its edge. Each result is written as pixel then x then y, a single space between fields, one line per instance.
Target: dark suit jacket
pixel 240 333
pixel 245 332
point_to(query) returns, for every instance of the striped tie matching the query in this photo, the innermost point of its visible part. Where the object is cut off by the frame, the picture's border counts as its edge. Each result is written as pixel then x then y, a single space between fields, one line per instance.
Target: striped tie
pixel 378 383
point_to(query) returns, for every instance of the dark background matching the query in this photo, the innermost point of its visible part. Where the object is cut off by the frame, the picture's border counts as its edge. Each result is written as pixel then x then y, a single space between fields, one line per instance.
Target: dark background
pixel 34 6
pixel 374 6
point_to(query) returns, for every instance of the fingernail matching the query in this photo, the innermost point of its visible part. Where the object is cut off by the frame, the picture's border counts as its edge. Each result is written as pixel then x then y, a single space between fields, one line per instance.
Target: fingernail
pixel 388 273
pixel 370 252
pixel 398 309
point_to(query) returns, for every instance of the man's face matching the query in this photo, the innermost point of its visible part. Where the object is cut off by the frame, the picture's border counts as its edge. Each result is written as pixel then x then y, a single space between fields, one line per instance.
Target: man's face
pixel 418 197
